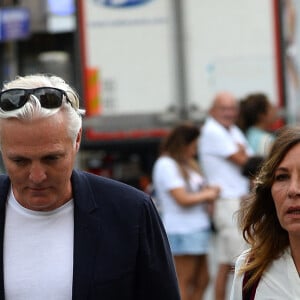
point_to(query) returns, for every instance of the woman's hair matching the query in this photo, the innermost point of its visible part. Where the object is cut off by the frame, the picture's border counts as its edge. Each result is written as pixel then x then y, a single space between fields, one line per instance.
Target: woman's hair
pixel 252 108
pixel 252 166
pixel 257 216
pixel 176 142
pixel 33 109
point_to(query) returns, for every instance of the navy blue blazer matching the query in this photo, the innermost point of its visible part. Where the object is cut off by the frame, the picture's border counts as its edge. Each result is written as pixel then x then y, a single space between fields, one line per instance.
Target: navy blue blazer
pixel 120 246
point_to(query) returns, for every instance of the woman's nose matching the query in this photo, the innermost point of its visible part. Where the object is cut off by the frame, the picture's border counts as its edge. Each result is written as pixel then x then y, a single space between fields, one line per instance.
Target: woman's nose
pixel 294 188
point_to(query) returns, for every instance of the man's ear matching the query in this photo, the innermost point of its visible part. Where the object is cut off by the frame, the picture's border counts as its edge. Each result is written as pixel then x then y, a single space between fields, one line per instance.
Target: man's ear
pixel 78 140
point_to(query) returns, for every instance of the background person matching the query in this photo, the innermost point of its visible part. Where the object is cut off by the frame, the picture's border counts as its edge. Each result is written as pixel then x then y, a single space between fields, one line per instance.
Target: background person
pixel 183 195
pixel 251 168
pixel 223 150
pixel 270 222
pixel 67 234
pixel 256 117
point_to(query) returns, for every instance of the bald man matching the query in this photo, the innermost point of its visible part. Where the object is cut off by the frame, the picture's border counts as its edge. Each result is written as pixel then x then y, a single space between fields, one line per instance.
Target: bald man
pixel 223 150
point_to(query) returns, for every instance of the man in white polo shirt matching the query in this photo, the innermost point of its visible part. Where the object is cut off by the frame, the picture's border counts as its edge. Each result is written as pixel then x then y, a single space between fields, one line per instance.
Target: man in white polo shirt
pixel 223 150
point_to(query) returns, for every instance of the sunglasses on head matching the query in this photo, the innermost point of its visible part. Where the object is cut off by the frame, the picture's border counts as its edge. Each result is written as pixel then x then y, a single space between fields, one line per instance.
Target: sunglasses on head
pixel 49 97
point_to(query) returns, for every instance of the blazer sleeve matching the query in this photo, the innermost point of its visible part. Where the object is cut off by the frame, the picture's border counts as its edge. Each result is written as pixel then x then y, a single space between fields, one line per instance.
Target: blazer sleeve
pixel 156 276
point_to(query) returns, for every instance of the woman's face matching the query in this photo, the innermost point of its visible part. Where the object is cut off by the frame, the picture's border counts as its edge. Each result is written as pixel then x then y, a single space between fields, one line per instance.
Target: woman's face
pixel 286 191
pixel 191 149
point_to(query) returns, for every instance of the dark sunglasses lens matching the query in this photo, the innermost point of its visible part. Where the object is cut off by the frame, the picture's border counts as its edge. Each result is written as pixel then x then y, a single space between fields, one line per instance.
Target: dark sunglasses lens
pixel 13 99
pixel 49 98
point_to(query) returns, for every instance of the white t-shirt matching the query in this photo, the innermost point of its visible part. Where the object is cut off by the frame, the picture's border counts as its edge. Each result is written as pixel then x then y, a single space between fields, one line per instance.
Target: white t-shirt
pixel 216 144
pixel 38 252
pixel 178 218
pixel 280 281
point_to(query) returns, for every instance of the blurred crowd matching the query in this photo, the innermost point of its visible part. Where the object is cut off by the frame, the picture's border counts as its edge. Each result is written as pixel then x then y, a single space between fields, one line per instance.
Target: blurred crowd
pixel 200 179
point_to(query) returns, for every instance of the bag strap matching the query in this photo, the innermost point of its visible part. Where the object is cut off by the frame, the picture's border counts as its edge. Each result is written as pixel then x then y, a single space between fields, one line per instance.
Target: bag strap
pixel 249 294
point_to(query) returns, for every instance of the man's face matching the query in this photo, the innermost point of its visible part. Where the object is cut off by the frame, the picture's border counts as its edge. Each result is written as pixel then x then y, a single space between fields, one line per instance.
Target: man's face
pixel 225 110
pixel 39 156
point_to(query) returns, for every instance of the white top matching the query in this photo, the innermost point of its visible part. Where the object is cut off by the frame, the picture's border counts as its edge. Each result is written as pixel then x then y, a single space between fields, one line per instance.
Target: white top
pixel 280 281
pixel 178 218
pixel 216 144
pixel 38 252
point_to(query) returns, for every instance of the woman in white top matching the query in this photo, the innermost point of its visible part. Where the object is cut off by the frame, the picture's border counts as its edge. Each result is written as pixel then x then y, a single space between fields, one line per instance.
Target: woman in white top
pixel 270 222
pixel 183 197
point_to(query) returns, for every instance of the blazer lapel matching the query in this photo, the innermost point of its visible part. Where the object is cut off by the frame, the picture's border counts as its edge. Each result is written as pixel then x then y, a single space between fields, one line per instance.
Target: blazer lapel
pixel 86 228
pixel 4 188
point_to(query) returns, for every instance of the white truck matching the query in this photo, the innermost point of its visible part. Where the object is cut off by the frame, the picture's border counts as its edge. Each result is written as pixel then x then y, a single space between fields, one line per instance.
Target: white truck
pixel 151 63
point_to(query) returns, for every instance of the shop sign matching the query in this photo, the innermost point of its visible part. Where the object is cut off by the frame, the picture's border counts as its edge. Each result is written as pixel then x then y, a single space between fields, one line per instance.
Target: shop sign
pixel 14 23
pixel 121 3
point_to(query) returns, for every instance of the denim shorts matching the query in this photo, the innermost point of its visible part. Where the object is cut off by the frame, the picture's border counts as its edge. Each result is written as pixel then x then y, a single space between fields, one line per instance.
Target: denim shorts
pixel 195 243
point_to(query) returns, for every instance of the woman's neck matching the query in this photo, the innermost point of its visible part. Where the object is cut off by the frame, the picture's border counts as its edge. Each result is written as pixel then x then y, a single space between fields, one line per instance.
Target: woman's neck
pixel 295 251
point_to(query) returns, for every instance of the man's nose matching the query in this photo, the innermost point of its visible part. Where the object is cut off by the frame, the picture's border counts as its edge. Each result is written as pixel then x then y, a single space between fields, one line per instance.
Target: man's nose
pixel 37 173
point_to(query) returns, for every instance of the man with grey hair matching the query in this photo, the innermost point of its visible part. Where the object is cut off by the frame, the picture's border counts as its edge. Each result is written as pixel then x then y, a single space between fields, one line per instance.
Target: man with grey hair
pixel 65 233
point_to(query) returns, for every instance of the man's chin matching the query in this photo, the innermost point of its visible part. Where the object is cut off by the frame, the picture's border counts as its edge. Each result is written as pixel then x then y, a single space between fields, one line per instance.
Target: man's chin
pixel 38 203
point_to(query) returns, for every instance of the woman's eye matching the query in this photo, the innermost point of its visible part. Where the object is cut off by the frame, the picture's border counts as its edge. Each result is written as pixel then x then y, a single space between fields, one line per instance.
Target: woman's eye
pixel 281 177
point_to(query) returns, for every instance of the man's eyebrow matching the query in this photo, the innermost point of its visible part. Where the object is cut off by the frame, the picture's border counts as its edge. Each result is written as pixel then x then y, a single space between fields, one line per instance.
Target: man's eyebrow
pixel 17 155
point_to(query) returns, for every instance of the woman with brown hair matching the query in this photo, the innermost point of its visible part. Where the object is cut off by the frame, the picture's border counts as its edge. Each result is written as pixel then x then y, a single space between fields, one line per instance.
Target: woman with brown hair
pixel 270 222
pixel 183 195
